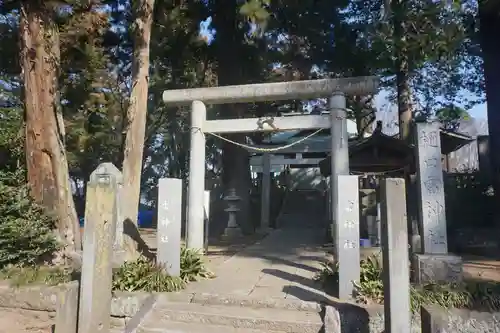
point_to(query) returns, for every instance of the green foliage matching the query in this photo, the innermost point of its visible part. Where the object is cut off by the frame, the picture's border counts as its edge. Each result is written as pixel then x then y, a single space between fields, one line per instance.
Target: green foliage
pixel 25 230
pixel 192 266
pixel 23 275
pixel 146 275
pixel 478 295
pixel 370 286
pixel 452 113
pixel 26 236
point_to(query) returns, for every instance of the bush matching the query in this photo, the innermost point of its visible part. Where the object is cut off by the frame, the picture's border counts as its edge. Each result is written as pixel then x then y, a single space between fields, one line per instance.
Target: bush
pixel 146 275
pixel 25 230
pixel 26 236
pixel 478 295
pixel 192 266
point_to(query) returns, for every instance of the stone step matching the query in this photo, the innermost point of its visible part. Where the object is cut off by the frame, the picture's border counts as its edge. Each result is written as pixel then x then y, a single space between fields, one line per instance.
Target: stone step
pixel 243 318
pixel 179 327
pixel 245 301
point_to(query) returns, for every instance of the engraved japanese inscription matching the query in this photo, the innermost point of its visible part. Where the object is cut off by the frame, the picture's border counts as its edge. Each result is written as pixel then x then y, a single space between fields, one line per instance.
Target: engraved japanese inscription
pixel 430 174
pixel 347 233
pixel 169 224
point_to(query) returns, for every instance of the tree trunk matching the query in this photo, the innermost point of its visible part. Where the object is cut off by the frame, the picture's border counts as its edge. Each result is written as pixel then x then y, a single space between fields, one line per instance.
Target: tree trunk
pixel 489 30
pixel 402 69
pixel 46 161
pixel 136 124
pixel 235 160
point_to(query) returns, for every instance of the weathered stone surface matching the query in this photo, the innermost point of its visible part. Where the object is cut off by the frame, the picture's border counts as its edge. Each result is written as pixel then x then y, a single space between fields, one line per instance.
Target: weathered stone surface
pixel 235 317
pixel 272 91
pixel 169 225
pixel 41 297
pixel 332 320
pixel 438 320
pixel 347 233
pixel 67 310
pixel 44 298
pixel 100 229
pixel 139 317
pixel 437 268
pixel 432 213
pixel 126 304
pixel 353 318
pixel 396 275
pixel 255 302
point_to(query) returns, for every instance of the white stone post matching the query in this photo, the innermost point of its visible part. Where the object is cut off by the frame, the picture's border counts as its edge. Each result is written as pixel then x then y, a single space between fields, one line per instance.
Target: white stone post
pixel 347 232
pixel 396 275
pixel 340 152
pixel 169 217
pixel 265 192
pixel 206 205
pixel 196 185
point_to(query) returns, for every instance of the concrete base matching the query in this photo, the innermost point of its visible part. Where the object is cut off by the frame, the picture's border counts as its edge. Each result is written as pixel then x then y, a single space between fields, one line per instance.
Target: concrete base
pixel 437 268
pixel 234 232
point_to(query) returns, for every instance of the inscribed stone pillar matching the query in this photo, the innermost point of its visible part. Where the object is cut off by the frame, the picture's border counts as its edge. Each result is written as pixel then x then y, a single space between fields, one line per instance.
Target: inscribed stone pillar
pixel 435 264
pixel 396 275
pixel 99 234
pixel 431 189
pixel 169 224
pixel 347 233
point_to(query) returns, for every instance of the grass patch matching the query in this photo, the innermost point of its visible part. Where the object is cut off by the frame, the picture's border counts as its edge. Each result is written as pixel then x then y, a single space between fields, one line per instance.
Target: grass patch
pixel 23 275
pixel 139 275
pixel 476 295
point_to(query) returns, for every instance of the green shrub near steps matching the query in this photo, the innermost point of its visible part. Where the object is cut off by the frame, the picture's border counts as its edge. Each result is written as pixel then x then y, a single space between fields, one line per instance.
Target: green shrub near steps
pixel 145 275
pixel 26 236
pixel 477 295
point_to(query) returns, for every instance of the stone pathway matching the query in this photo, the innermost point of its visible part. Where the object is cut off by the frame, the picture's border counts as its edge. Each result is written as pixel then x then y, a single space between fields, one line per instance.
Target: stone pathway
pixel 282 265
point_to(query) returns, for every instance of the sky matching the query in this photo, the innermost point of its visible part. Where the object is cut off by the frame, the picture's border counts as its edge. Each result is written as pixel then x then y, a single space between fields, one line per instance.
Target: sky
pixel 479 111
pixel 381 102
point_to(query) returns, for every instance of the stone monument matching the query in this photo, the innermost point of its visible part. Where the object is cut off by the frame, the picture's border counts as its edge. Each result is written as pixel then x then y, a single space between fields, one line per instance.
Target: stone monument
pixel 434 264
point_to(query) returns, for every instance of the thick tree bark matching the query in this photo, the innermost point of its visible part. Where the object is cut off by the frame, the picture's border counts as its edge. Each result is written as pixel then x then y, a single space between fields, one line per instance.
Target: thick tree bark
pixel 489 30
pixel 235 160
pixel 402 69
pixel 136 123
pixel 46 160
pixel 405 114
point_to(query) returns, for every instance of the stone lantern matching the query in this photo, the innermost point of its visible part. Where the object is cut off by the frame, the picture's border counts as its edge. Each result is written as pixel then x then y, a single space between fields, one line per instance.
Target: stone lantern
pixel 232 229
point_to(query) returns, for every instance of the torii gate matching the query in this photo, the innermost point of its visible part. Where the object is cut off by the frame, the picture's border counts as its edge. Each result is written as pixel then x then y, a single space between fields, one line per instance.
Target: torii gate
pixel 333 89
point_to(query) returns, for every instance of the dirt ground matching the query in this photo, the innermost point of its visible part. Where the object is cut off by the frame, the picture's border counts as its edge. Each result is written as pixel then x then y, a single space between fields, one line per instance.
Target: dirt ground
pixel 24 321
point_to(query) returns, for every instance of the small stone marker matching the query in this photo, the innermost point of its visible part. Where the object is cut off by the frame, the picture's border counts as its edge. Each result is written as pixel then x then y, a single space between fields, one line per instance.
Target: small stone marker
pixel 169 224
pixel 118 249
pixel 431 189
pixel 99 234
pixel 396 276
pixel 67 310
pixel 347 234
